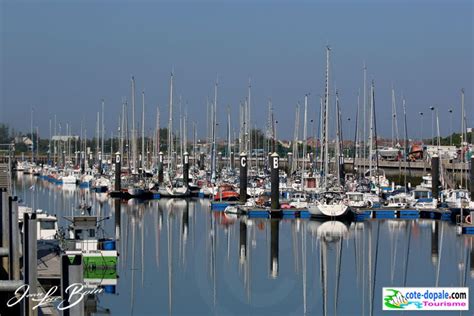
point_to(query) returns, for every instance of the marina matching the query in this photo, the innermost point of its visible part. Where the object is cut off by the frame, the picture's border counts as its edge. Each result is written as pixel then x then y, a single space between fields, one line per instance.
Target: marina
pixel 236 158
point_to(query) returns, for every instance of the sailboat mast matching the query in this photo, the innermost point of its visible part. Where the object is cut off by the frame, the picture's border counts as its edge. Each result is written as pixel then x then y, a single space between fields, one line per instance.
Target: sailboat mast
pixel 371 129
pixel 326 122
pixel 305 137
pixel 229 144
pixel 214 126
pixel 170 124
pixel 337 148
pixel 134 143
pixel 103 129
pixel 365 113
pixel 143 131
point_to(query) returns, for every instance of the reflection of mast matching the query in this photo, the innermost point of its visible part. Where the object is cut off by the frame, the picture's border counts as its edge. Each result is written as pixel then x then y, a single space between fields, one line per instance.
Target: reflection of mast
pixel 375 268
pixel 142 228
pixel 132 298
pixel 323 264
pixel 158 222
pixel 471 259
pixel 338 277
pixel 170 261
pixel 274 238
pixel 303 253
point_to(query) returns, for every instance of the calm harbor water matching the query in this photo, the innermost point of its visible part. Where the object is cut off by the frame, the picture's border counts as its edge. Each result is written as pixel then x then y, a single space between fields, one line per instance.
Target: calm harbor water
pixel 178 257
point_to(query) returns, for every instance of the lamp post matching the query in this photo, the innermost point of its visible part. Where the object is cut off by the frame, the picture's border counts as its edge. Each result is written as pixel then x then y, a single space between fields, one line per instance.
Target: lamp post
pixel 421 130
pixel 432 124
pixel 451 127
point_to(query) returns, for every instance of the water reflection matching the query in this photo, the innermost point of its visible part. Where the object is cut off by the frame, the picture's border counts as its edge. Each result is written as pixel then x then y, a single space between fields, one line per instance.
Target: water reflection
pixel 178 257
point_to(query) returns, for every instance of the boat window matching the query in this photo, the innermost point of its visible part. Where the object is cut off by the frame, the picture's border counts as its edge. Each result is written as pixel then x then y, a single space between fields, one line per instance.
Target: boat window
pixel 91 233
pixel 47 225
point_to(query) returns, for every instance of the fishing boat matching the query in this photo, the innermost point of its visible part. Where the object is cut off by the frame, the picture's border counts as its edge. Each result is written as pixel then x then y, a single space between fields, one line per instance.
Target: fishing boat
pixel 83 238
pixel 390 153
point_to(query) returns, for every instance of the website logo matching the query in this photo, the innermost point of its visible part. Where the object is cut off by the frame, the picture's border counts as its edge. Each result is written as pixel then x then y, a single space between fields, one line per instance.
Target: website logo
pixel 425 298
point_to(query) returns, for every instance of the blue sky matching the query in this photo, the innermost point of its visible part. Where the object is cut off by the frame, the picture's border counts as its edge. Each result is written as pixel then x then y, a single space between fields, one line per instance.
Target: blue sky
pixel 63 57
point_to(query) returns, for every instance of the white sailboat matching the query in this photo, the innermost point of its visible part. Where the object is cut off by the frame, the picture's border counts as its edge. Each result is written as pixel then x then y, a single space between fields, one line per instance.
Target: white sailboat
pixel 330 204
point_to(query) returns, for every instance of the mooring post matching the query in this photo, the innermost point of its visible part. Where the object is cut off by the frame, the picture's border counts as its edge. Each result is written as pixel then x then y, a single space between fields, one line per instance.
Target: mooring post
pixel 14 239
pixel 31 256
pixel 160 167
pixel 186 168
pixel 243 177
pixel 435 176
pixel 5 225
pixel 219 161
pixel 83 162
pixel 71 272
pixel 100 163
pixel 202 158
pixel 275 182
pixel 290 162
pixel 118 172
pixel 232 160
pixel 274 251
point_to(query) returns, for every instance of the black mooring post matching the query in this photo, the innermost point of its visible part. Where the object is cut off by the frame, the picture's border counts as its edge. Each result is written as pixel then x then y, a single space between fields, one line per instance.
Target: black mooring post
pixel 435 176
pixel 275 182
pixel 274 251
pixel 160 168
pixel 232 160
pixel 186 168
pixel 118 172
pixel 290 163
pixel 30 258
pixel 243 177
pixel 202 158
pixel 71 272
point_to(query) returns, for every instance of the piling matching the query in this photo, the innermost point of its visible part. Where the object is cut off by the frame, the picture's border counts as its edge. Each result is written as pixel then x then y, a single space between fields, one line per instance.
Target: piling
pixel 14 245
pixel 201 161
pixel 83 162
pixel 219 161
pixel 186 168
pixel 275 182
pixel 435 176
pixel 232 160
pixel 30 257
pixel 71 272
pixel 118 172
pixel 290 162
pixel 274 251
pixel 5 225
pixel 100 163
pixel 160 167
pixel 243 177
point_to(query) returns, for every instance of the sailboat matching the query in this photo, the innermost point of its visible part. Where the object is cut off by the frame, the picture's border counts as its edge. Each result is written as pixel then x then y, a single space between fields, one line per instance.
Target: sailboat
pixel 331 203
